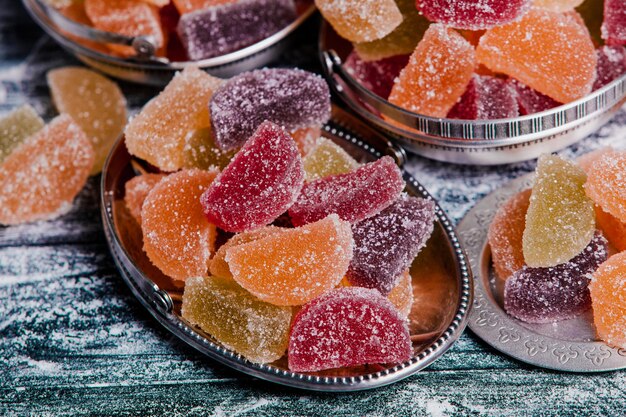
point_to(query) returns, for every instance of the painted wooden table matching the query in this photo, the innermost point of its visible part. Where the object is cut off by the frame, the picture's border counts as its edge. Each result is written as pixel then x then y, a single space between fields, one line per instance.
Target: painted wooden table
pixel 73 340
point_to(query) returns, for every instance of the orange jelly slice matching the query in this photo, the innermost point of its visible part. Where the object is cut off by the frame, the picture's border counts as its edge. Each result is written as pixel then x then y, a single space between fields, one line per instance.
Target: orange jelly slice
pixel 401 296
pixel 137 189
pixel 606 183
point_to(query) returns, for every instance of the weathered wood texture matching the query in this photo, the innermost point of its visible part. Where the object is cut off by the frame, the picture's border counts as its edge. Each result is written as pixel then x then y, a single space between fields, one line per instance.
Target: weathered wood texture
pixel 73 340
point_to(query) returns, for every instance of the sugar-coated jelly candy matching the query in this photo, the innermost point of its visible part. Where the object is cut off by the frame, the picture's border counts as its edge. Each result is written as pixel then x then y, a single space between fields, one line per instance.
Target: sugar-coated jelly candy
pixel 201 151
pixel 486 97
pixel 348 327
pixel 136 191
pixel 613 229
pixel 472 14
pixel 16 126
pixel 41 177
pixel 361 20
pixel 188 6
pixel 176 236
pixel 219 30
pixel 94 102
pixel 126 17
pixel 353 196
pixel 401 296
pixel 291 98
pixel 402 40
pixel 543 295
pixel 529 100
pixel 160 133
pixel 260 183
pixel 437 73
pixel 558 5
pixel 505 235
pixel 296 265
pixel 560 220
pixel 606 184
pixel 376 76
pixel 386 244
pixel 539 50
pixel 306 138
pixel 611 65
pixel 587 160
pixel 608 298
pixel 614 23
pixel 235 318
pixel 326 159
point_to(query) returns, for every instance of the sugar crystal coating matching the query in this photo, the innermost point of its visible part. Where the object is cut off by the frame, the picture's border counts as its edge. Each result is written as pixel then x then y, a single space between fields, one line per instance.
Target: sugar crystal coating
pixel 76 11
pixel 505 235
pixel 558 5
pixel 201 151
pixel 472 14
pixel 136 191
pixel 529 100
pixel 587 160
pixel 611 65
pixel 260 183
pixel 606 184
pixel 361 20
pixel 16 126
pixel 613 229
pixel 486 97
pixel 539 50
pixel 41 177
pixel 614 23
pixel 401 296
pixel 160 133
pixel 437 73
pixel 219 30
pixel 188 6
pixel 386 244
pixel 306 138
pixel 291 98
pixel 296 265
pixel 560 220
pixel 235 318
pixel 376 76
pixel 177 237
pixel 348 327
pixel 354 196
pixel 95 103
pixel 543 295
pixel 326 159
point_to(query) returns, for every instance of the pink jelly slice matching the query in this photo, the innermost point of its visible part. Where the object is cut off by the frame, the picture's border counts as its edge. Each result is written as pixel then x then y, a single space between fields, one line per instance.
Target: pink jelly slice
pixel 472 14
pixel 260 183
pixel 347 327
pixel 386 244
pixel 486 97
pixel 543 295
pixel 376 76
pixel 530 100
pixel 611 65
pixel 353 196
pixel 614 23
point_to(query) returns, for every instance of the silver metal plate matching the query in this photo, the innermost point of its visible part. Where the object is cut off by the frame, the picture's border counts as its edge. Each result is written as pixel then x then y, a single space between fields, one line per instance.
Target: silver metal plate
pixel 568 345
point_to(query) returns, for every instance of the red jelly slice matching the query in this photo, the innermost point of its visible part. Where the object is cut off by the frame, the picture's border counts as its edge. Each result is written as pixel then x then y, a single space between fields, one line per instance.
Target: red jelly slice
pixel 347 327
pixel 486 97
pixel 614 23
pixel 260 183
pixel 353 196
pixel 376 76
pixel 472 14
pixel 530 100
pixel 611 64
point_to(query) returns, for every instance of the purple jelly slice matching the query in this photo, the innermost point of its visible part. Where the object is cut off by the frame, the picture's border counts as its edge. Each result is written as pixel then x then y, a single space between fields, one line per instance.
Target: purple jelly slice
pixel 543 295
pixel 354 196
pixel 219 30
pixel 386 244
pixel 376 76
pixel 291 98
pixel 472 14
pixel 260 183
pixel 486 97
pixel 530 100
pixel 348 327
pixel 614 24
pixel 611 65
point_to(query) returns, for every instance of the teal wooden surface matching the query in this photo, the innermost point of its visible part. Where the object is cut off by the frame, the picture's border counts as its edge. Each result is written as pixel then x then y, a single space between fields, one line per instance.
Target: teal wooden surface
pixel 73 340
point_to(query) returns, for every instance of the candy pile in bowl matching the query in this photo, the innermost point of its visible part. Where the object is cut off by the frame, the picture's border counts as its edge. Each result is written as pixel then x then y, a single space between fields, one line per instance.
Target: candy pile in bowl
pixel 481 59
pixel 283 242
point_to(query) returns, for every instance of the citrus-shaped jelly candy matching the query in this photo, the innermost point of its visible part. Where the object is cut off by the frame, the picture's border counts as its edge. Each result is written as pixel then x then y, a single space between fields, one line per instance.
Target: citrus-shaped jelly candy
pixel 326 159
pixel 386 244
pixel 614 23
pixel 472 14
pixel 560 220
pixel 361 20
pixel 376 76
pixel 401 296
pixel 201 151
pixel 608 297
pixel 606 184
pixel 486 97
pixel 177 237
pixel 291 98
pixel 543 295
pixel 188 6
pixel 529 100
pixel 613 229
pixel 611 65
pixel 353 196
pixel 558 5
pixel 95 103
pixel 306 138
pixel 587 160
pixel 76 11
pixel 41 177
pixel 136 191
pixel 348 327
pixel 539 50
pixel 437 73
pixel 505 235
pixel 16 126
pixel 261 182
pixel 258 331
pixel 296 265
pixel 160 133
